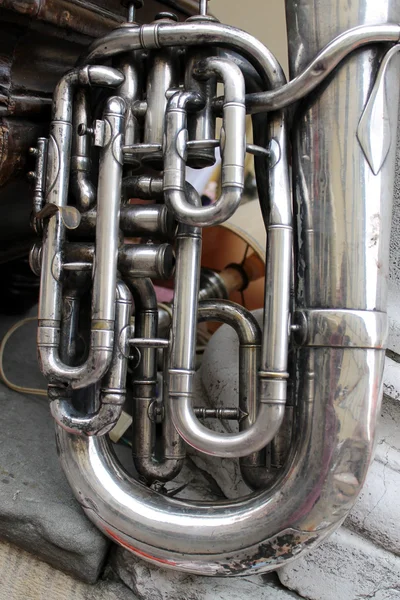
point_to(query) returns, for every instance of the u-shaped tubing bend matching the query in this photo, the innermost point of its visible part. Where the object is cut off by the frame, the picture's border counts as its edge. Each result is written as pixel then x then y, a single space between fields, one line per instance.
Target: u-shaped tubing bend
pixel 109 197
pixel 113 391
pixel 270 410
pixel 254 534
pixel 231 445
pixel 233 148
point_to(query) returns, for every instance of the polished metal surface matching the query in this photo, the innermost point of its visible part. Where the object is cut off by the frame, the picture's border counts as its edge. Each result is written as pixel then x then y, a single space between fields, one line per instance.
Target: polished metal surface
pixel 162 76
pixel 377 118
pixel 233 145
pixel 322 65
pixel 81 185
pixel 253 534
pixel 112 391
pixel 341 328
pixel 147 260
pixel 136 220
pixel 58 163
pixel 305 426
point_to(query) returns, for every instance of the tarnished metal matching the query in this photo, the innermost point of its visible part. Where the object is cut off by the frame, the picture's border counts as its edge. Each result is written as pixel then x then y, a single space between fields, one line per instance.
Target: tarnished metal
pixel 306 452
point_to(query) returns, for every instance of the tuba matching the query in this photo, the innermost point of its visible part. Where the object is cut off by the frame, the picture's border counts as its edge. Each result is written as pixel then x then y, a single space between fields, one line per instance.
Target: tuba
pixel 139 108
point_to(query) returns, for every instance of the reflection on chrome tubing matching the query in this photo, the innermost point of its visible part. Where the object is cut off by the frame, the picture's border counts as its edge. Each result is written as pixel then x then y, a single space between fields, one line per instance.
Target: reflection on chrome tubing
pixel 332 318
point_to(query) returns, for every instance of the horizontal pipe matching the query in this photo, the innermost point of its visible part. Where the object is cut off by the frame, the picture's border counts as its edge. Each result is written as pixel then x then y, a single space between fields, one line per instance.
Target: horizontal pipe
pixel 136 220
pixel 142 186
pixel 230 414
pixel 137 260
pixel 210 33
pixel 204 33
pixel 147 260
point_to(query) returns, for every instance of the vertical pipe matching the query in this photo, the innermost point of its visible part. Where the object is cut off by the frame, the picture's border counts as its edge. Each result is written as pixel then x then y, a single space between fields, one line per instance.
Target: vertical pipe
pixel 168 462
pixel 81 185
pixel 108 207
pixel 162 76
pixel 57 180
pixel 203 8
pixel 201 124
pixel 339 215
pixel 130 66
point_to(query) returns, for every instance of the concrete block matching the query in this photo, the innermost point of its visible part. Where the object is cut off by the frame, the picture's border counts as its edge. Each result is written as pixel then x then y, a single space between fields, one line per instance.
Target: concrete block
pixel 24 577
pixel 376 514
pixel 151 583
pixel 391 379
pixel 345 567
pixel 37 509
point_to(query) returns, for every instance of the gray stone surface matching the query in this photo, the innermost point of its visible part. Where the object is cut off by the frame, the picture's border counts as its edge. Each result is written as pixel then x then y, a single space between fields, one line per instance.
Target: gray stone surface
pixel 376 514
pixel 37 509
pixel 24 577
pixel 151 583
pixel 345 567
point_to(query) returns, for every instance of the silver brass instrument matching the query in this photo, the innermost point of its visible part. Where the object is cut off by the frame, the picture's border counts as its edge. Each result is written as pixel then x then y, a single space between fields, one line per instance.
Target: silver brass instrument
pixel 139 108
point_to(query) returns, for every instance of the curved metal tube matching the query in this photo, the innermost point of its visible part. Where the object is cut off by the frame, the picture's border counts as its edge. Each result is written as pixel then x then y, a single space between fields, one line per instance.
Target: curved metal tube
pixel 339 370
pixel 236 316
pixel 328 58
pixel 254 533
pixel 322 65
pixel 200 33
pixel 255 437
pixel 233 148
pixel 112 391
pixel 104 284
pixel 227 445
pixel 81 186
pixel 269 416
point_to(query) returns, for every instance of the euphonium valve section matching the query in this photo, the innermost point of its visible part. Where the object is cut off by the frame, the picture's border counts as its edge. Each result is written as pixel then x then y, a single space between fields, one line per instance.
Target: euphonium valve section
pixel 119 221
